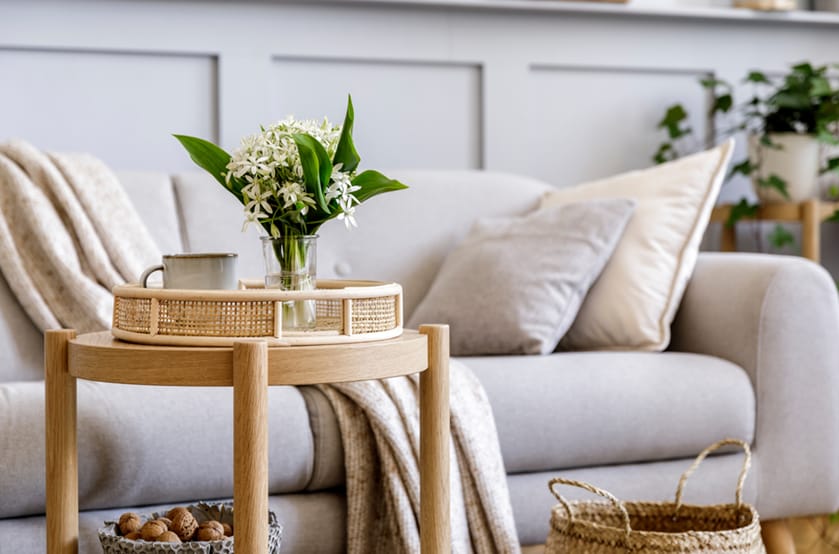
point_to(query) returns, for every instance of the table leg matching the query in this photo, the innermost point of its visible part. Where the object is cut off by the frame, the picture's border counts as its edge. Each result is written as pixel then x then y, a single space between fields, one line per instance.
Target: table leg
pixel 62 478
pixel 435 525
pixel 250 447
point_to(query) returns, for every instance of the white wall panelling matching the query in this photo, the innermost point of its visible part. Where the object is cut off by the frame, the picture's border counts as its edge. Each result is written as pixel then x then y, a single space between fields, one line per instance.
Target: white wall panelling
pixel 562 91
pixel 120 105
pixel 409 114
pixel 610 106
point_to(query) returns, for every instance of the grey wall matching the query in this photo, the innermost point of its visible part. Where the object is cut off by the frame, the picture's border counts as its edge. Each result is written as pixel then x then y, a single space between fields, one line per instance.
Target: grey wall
pixel 560 92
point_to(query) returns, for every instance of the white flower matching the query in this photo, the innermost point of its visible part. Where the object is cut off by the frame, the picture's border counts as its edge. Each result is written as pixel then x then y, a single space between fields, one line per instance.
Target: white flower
pixel 269 163
pixel 348 218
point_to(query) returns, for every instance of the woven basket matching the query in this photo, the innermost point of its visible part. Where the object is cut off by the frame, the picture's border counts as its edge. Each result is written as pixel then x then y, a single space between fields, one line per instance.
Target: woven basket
pixel 113 543
pixel 347 311
pixel 616 527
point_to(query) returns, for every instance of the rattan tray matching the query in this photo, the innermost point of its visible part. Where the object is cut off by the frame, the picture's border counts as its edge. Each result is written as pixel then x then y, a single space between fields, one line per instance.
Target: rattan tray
pixel 347 311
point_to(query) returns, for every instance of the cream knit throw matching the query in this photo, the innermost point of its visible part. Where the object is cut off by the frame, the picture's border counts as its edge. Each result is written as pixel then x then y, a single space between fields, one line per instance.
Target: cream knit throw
pixel 379 423
pixel 68 233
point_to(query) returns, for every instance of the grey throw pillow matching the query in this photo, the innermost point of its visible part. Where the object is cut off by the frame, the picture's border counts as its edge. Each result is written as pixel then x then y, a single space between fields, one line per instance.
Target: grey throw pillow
pixel 514 285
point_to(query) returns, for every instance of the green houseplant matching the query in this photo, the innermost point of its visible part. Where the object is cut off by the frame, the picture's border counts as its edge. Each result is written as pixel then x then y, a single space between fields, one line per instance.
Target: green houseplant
pixel 291 178
pixel 787 121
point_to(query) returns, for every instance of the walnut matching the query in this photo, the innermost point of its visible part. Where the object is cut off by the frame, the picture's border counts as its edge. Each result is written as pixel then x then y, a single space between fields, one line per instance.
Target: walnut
pixel 153 529
pixel 129 522
pixel 177 509
pixel 168 536
pixel 228 530
pixel 183 524
pixel 133 536
pixel 210 531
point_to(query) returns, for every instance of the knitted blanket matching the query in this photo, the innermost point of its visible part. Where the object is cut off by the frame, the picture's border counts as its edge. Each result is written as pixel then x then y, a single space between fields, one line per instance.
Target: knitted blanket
pixel 69 233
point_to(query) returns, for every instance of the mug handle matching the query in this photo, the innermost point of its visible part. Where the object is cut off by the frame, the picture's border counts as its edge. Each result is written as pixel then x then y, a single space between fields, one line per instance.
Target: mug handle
pixel 147 273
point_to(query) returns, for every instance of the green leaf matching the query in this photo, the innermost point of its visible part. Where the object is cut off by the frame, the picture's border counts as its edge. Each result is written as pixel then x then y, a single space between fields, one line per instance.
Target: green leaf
pixel 317 169
pixel 775 182
pixel 833 191
pixel 212 159
pixel 826 137
pixel 345 153
pixel 665 153
pixel 780 237
pixel 756 77
pixel 712 82
pixel 739 211
pixel 722 103
pixel 832 165
pixel 791 99
pixel 819 86
pixel 834 517
pixel 675 114
pixel 373 183
pixel 744 168
pixel 834 217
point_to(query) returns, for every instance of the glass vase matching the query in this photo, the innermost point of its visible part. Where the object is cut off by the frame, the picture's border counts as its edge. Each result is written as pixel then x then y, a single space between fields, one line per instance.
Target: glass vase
pixel 291 264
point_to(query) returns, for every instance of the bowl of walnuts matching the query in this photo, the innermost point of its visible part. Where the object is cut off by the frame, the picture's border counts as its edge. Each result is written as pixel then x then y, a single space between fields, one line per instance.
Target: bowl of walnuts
pixel 197 529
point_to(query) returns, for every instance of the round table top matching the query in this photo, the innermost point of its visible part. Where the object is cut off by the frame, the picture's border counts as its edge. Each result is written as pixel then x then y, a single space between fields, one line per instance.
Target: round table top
pixel 101 357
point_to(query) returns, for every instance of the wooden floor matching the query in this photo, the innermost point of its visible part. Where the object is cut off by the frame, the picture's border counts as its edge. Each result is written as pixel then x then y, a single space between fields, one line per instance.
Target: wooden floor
pixel 813 535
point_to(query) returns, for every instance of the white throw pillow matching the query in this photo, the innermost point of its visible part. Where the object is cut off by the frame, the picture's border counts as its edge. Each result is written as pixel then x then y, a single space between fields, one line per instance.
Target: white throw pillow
pixel 514 285
pixel 634 301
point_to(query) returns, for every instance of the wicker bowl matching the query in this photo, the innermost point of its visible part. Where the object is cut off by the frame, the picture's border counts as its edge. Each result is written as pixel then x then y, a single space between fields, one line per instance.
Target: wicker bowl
pixel 113 543
pixel 347 311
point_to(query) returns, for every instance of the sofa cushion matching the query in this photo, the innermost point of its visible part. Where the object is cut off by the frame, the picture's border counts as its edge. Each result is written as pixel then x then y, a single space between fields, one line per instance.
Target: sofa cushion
pixel 401 237
pixel 514 285
pixel 634 302
pixel 153 196
pixel 144 445
pixel 597 408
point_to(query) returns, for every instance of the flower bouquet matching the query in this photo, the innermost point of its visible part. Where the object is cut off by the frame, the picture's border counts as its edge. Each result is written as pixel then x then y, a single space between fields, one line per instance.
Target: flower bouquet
pixel 291 178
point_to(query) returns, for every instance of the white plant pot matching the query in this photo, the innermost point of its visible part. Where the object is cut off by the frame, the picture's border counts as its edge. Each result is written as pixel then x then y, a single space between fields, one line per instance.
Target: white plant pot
pixel 797 162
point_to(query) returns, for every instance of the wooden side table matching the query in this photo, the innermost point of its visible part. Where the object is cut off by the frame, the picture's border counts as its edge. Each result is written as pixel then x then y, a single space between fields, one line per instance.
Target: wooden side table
pixel 810 214
pixel 249 367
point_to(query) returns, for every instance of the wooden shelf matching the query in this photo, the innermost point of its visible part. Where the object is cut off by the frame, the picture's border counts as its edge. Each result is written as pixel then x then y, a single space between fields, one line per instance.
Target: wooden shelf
pixel 810 214
pixel 794 17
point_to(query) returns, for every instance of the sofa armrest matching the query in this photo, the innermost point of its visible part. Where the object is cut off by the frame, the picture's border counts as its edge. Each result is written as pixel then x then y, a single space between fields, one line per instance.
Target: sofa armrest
pixel 778 318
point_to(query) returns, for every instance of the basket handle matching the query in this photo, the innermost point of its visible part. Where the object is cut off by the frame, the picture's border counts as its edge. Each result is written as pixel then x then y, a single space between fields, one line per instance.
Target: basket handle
pixel 592 489
pixel 747 462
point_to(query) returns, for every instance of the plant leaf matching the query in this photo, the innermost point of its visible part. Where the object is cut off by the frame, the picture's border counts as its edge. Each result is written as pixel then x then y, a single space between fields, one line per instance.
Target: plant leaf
pixel 212 159
pixel 780 236
pixel 756 77
pixel 775 182
pixel 317 169
pixel 832 165
pixel 744 168
pixel 665 153
pixel 345 153
pixel 834 217
pixel 722 103
pixel 373 183
pixel 826 137
pixel 739 211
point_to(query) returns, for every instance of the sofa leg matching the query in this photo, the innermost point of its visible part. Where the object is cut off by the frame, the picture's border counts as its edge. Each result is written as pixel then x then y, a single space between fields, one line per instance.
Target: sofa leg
pixel 777 537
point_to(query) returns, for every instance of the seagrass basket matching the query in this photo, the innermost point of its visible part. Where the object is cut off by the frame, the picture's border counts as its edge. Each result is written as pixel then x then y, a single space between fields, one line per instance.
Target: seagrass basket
pixel 113 543
pixel 346 311
pixel 617 527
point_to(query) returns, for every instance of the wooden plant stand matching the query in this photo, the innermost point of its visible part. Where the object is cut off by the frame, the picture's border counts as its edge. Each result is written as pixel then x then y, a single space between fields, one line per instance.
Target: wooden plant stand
pixel 810 214
pixel 249 366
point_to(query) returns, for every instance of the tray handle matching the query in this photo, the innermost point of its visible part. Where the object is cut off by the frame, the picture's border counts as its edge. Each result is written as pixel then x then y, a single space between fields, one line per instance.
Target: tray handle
pixel 592 489
pixel 747 462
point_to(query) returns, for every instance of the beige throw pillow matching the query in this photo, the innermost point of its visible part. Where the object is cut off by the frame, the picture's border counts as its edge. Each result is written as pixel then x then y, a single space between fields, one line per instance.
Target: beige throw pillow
pixel 514 285
pixel 633 303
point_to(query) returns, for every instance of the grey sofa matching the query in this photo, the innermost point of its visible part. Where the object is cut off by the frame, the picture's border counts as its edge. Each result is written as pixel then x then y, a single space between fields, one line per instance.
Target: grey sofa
pixel 754 355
